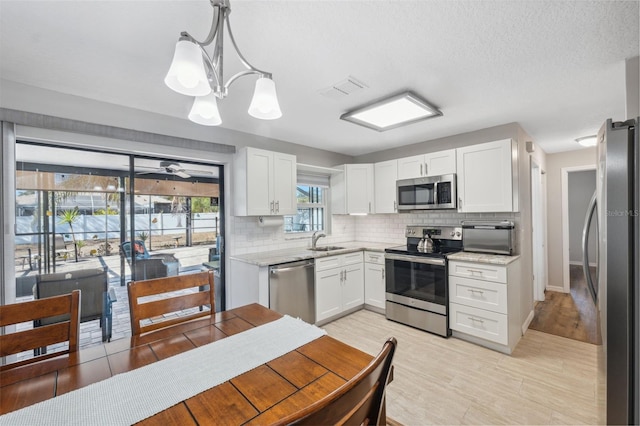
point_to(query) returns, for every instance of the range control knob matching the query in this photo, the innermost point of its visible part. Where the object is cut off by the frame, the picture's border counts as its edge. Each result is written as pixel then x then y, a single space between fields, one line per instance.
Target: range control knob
pixel 452 233
pixel 458 233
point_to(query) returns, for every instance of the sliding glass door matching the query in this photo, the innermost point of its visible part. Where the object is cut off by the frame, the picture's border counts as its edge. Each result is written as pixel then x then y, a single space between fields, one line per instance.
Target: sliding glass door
pixel 126 217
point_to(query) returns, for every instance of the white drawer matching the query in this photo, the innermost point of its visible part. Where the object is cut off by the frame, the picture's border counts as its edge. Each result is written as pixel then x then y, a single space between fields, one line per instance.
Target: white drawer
pixel 374 257
pixel 329 262
pixel 479 271
pixel 480 323
pixel 351 258
pixel 479 294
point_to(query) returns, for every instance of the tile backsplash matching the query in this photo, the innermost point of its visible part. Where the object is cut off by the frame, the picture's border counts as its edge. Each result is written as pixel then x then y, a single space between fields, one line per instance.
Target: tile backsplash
pixel 249 237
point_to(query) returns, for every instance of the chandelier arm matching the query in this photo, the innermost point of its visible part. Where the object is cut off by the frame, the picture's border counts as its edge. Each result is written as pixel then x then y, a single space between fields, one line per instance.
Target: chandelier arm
pixel 211 70
pixel 240 74
pixel 242 59
pixel 215 24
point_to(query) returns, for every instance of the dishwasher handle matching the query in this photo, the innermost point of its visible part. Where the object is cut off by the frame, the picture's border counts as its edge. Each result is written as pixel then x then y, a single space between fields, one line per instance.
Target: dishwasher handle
pixel 275 269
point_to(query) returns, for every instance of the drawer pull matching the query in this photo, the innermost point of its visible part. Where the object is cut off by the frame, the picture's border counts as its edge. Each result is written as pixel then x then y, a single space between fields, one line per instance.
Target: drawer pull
pixel 475 291
pixel 476 320
pixel 475 271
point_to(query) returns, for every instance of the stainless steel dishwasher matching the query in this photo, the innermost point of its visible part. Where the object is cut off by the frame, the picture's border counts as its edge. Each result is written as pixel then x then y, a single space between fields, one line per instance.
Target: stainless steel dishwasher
pixel 292 290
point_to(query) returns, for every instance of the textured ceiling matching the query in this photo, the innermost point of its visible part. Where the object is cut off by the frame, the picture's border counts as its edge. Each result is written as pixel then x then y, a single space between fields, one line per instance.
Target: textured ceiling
pixel 555 67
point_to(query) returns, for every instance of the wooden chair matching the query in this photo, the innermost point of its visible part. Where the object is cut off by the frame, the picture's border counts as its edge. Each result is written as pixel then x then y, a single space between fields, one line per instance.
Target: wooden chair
pixel 66 306
pixel 171 303
pixel 360 401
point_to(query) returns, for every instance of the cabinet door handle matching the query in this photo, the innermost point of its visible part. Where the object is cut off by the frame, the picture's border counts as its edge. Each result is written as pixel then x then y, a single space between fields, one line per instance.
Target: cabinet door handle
pixel 369 206
pixel 426 169
pixel 459 202
pixel 383 273
pixel 395 206
pixel 421 169
pixel 476 320
pixel 277 206
pixel 272 207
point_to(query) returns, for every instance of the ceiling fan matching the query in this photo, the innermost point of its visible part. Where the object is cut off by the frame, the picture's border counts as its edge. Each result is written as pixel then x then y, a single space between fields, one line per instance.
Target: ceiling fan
pixel 167 167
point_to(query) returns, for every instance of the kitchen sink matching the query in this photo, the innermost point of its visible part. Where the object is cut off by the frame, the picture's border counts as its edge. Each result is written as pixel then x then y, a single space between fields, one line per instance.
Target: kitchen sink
pixel 326 248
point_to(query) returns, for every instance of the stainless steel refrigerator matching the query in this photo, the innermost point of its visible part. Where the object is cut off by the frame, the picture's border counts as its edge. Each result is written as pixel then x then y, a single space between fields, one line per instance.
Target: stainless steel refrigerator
pixel 616 290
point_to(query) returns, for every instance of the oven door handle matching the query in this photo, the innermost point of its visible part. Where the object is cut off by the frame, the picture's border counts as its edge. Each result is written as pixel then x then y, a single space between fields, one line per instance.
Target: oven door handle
pixel 415 259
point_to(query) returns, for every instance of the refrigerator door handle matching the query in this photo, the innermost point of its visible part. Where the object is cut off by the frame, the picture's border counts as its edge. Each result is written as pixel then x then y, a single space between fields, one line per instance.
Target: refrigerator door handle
pixel 591 210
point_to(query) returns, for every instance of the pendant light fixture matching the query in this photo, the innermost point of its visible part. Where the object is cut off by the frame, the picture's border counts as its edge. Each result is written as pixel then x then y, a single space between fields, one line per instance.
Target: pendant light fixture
pixel 194 73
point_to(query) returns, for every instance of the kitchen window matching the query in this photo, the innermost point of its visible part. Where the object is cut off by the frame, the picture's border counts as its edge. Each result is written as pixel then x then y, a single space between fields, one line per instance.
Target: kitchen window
pixel 312 210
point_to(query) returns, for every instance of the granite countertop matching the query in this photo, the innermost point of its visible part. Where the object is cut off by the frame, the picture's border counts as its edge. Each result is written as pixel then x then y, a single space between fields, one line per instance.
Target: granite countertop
pixel 291 255
pixel 495 259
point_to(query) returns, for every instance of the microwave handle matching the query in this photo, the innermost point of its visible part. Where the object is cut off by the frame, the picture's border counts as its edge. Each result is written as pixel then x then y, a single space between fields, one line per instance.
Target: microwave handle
pixel 435 193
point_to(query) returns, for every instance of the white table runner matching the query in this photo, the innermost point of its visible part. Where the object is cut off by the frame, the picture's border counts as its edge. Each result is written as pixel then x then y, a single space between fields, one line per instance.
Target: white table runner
pixel 135 395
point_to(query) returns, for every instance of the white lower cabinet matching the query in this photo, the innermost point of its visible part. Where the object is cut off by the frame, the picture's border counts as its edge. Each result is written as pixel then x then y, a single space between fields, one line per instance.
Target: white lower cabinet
pixel 374 281
pixel 484 303
pixel 339 285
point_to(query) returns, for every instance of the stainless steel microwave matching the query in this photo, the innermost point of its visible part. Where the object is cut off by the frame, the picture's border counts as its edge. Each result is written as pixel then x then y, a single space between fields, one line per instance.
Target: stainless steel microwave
pixel 427 193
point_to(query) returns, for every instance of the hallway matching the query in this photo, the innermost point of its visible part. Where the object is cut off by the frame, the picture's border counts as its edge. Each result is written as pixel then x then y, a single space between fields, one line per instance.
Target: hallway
pixel 569 315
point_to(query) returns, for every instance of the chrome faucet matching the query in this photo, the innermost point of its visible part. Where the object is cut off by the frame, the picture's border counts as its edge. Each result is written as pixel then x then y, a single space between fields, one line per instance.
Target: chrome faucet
pixel 315 239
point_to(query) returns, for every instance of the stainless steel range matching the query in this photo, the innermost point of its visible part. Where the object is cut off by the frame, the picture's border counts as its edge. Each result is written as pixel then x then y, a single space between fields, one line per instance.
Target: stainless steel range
pixel 417 292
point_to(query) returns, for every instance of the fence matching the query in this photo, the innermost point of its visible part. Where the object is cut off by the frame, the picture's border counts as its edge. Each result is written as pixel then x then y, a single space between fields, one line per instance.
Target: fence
pixel 87 227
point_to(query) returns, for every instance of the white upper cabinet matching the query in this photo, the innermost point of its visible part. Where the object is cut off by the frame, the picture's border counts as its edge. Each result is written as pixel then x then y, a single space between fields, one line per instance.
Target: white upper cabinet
pixel 385 176
pixel 352 191
pixel 432 164
pixel 265 183
pixel 486 178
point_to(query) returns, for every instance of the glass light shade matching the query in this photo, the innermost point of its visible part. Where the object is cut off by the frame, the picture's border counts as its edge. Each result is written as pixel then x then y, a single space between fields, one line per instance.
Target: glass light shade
pixel 588 140
pixel 205 111
pixel 187 74
pixel 264 104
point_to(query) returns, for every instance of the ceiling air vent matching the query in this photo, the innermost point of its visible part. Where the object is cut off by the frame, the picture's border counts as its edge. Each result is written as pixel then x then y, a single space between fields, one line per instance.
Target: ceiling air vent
pixel 343 88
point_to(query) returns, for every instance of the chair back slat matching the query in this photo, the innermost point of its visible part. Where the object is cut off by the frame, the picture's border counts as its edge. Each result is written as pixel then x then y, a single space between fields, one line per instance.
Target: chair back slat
pixel 359 401
pixel 42 308
pixel 34 338
pixel 66 331
pixel 141 311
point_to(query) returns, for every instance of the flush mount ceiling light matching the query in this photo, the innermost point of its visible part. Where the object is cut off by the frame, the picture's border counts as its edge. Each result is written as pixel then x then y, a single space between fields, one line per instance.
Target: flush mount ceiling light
pixel 194 73
pixel 588 140
pixel 389 113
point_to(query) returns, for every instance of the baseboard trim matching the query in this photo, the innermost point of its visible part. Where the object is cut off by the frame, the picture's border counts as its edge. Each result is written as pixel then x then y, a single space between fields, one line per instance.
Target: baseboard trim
pixel 527 322
pixel 579 263
pixel 556 288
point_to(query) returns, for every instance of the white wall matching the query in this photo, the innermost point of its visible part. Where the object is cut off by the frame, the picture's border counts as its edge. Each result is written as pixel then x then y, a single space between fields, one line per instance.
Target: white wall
pixel 582 185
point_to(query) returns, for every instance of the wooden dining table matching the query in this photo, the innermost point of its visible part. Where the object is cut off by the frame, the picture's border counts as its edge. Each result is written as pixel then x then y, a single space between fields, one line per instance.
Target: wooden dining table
pixel 260 396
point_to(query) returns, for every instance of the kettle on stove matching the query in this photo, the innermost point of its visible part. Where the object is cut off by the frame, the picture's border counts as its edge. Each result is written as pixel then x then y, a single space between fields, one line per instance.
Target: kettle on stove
pixel 427 246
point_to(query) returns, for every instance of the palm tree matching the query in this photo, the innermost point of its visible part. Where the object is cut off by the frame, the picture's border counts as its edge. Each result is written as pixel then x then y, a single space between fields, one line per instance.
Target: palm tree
pixel 69 216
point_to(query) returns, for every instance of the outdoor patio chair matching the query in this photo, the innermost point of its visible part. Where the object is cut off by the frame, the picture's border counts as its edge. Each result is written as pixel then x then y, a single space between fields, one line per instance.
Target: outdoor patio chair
pixel 149 266
pixel 29 257
pixel 63 249
pixel 67 305
pixel 97 297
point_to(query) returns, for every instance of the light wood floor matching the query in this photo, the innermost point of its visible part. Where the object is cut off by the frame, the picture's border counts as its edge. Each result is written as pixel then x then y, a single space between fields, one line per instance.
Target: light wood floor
pixel 547 380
